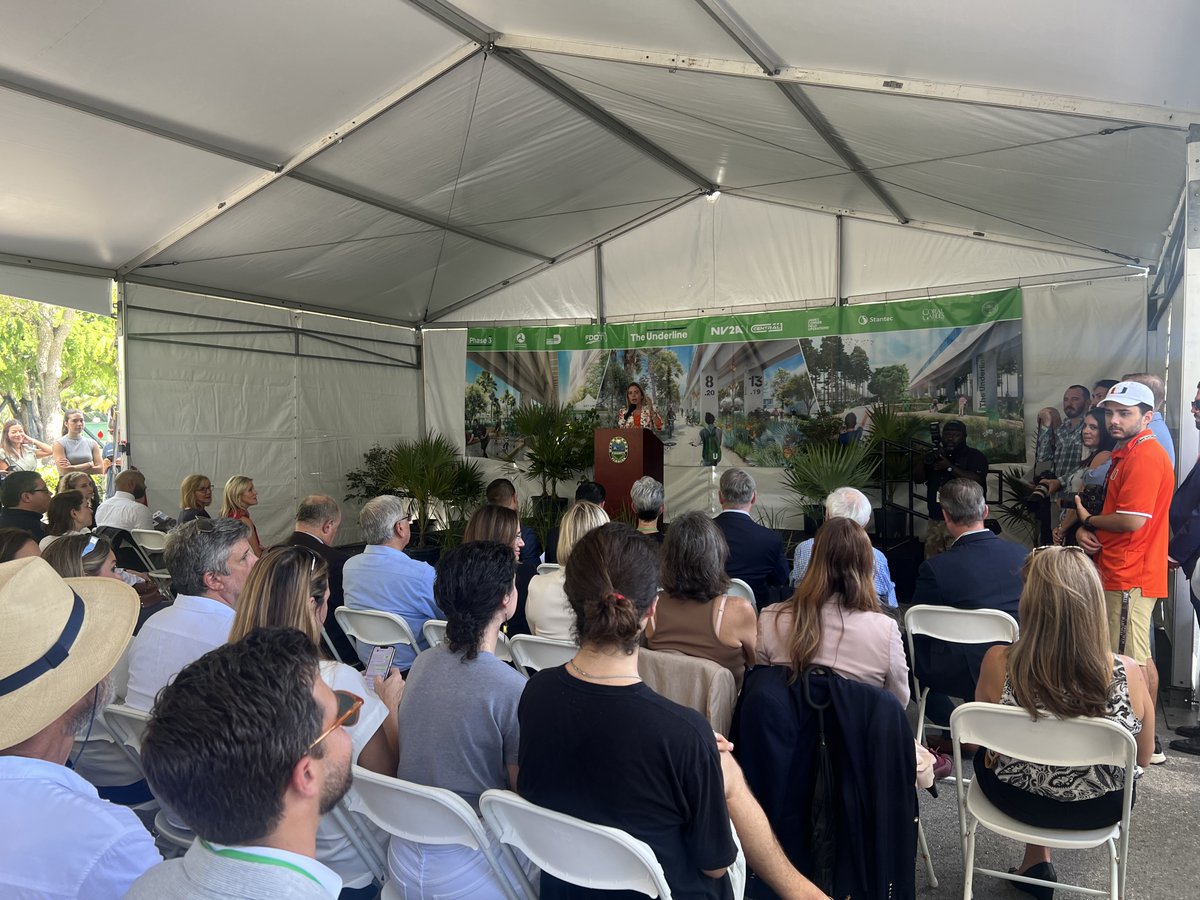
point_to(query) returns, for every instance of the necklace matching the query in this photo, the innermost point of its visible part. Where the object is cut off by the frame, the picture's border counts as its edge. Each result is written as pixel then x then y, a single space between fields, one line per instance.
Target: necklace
pixel 574 665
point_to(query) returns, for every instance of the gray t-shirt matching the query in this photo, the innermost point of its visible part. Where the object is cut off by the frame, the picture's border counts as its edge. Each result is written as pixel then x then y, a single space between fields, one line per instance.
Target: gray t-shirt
pixel 458 722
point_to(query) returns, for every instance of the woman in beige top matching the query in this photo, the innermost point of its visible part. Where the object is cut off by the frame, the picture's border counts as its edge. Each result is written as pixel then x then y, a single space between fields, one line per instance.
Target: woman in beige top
pixel 834 618
pixel 546 609
pixel 695 616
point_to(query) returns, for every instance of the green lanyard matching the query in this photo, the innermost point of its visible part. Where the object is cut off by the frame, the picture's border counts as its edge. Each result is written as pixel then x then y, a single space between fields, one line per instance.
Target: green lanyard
pixel 243 856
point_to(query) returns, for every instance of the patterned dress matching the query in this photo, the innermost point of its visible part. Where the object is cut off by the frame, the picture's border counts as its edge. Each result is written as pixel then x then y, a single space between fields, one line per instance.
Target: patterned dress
pixel 1069 783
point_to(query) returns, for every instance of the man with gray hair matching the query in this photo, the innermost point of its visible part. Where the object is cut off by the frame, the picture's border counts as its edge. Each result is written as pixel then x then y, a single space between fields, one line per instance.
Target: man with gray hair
pixel 848 503
pixel 384 578
pixel 317 522
pixel 978 571
pixel 647 496
pixel 755 553
pixel 209 560
pixel 1158 425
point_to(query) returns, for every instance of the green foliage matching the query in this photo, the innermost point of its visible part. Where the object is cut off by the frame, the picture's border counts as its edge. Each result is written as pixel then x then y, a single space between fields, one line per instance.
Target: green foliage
pixel 558 442
pixel 817 469
pixel 891 426
pixel 1013 515
pixel 53 358
pixel 476 406
pixel 889 383
pixel 822 429
pixel 373 478
pixel 429 471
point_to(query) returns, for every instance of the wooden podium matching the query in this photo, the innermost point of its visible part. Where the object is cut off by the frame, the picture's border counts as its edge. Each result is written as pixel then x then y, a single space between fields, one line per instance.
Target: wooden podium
pixel 623 455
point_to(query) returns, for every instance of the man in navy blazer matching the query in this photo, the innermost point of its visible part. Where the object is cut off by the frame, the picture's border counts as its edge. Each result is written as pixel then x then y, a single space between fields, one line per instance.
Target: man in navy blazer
pixel 1184 550
pixel 755 553
pixel 978 571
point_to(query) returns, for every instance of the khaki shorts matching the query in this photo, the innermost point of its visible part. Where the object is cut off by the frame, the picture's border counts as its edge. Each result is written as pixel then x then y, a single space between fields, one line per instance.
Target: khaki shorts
pixel 1137 629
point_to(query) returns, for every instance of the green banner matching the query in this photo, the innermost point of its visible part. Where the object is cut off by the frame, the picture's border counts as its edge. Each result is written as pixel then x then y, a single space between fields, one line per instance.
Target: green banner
pixel 899 315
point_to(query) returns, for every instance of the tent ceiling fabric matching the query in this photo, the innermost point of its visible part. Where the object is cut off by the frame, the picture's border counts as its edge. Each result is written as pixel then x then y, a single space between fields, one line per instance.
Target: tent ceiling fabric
pixel 129 123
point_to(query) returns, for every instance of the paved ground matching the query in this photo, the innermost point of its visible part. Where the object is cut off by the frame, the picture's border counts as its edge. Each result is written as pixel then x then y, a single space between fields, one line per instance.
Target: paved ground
pixel 1164 846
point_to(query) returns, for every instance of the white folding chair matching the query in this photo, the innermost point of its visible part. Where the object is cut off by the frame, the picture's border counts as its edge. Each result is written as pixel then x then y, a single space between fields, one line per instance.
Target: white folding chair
pixel 531 653
pixel 504 648
pixel 434 631
pixel 547 568
pixel 430 815
pixel 578 852
pixel 739 588
pixel 955 626
pixel 1054 742
pixel 375 628
pixel 150 545
pixel 126 725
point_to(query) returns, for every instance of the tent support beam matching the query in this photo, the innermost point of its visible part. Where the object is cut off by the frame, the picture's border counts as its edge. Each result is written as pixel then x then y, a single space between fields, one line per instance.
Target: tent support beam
pixel 771 64
pixel 990 237
pixel 53 265
pixel 372 112
pixel 605 120
pixel 474 30
pixel 227 294
pixel 416 215
pixel 135 124
pixel 1004 98
pixel 562 257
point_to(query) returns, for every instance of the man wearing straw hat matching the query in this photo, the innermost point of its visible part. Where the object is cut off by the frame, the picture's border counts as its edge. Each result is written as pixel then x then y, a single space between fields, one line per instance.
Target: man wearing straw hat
pixel 62 638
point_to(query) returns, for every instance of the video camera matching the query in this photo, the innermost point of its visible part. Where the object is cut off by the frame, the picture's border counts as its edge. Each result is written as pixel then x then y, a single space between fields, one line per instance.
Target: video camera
pixel 939 448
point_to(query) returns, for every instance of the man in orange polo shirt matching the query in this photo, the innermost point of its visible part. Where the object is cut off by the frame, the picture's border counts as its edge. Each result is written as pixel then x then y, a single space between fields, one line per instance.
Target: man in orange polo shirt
pixel 1128 539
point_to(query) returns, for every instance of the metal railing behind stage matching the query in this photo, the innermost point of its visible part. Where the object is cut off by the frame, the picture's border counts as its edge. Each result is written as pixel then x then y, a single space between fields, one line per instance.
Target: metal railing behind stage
pixel 895 471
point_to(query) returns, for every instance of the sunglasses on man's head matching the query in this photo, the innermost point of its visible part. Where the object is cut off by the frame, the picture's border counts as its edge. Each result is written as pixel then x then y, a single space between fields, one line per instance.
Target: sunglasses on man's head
pixel 348 706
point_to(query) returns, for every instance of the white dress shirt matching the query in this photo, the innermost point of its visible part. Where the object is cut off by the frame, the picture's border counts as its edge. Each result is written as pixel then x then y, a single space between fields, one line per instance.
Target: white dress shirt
pixel 61 840
pixel 170 639
pixel 122 511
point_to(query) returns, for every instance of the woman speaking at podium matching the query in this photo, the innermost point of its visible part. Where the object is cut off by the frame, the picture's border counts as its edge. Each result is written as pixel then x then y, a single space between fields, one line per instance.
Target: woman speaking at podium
pixel 640 412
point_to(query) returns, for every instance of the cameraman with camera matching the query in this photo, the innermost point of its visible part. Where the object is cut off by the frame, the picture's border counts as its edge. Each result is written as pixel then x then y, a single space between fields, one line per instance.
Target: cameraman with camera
pixel 949 458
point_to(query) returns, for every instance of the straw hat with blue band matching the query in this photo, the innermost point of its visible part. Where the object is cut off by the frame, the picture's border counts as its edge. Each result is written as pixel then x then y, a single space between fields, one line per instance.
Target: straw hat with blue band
pixel 61 637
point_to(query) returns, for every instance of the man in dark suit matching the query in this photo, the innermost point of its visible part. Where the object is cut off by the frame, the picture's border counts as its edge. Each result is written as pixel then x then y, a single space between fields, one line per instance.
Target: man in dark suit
pixel 755 553
pixel 1184 551
pixel 978 571
pixel 317 523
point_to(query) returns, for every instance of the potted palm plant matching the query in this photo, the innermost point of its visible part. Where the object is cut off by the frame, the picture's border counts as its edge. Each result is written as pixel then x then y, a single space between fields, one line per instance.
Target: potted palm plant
pixel 558 445
pixel 815 470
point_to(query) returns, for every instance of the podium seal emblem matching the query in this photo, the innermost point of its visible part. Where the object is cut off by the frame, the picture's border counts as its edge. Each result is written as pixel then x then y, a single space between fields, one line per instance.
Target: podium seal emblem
pixel 618 449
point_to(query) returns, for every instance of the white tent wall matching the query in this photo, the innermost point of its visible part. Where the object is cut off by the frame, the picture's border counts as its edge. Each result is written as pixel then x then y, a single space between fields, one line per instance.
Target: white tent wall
pixel 231 396
pixel 90 293
pixel 557 294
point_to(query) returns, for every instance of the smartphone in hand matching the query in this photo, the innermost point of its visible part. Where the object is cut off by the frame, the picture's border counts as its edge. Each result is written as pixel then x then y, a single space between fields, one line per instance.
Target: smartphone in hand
pixel 378 665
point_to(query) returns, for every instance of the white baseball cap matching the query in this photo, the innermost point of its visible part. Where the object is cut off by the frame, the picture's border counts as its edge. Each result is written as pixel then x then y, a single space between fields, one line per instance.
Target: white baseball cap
pixel 1129 393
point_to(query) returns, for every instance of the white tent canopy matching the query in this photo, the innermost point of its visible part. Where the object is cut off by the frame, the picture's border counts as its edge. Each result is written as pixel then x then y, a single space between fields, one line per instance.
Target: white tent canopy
pixel 399 161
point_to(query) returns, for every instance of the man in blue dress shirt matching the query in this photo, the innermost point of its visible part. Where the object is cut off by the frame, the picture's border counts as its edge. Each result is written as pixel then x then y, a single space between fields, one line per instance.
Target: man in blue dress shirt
pixel 384 578
pixel 848 503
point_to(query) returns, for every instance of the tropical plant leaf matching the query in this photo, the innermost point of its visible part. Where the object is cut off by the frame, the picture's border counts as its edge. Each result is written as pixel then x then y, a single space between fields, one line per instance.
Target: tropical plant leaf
pixel 815 471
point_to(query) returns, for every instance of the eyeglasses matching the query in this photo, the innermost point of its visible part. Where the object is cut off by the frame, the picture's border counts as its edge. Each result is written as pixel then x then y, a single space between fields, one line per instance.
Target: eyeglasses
pixel 41 490
pixel 1070 547
pixel 1196 404
pixel 205 526
pixel 348 705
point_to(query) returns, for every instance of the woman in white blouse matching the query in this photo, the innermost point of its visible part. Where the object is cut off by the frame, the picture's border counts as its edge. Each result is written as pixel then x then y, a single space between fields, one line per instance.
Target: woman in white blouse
pixel 546 609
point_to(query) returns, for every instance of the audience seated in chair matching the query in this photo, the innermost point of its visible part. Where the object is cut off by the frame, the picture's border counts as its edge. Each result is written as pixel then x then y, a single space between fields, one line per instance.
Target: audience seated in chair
pixel 547 610
pixel 694 614
pixel 127 508
pixel 1061 665
pixel 289 588
pixel 60 838
pixel 865 816
pixel 25 499
pixel 499 522
pixel 384 578
pixel 848 503
pixel 195 497
pixel 834 618
pixel 209 560
pixel 978 571
pixel 17 544
pixel 238 497
pixel 592 492
pixel 68 513
pixel 475 749
pixel 598 744
pixel 648 504
pixel 247 744
pixel 317 522
pixel 755 552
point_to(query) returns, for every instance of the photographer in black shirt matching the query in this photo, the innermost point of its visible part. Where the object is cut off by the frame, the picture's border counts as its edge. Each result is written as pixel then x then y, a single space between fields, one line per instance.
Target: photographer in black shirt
pixel 949 458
